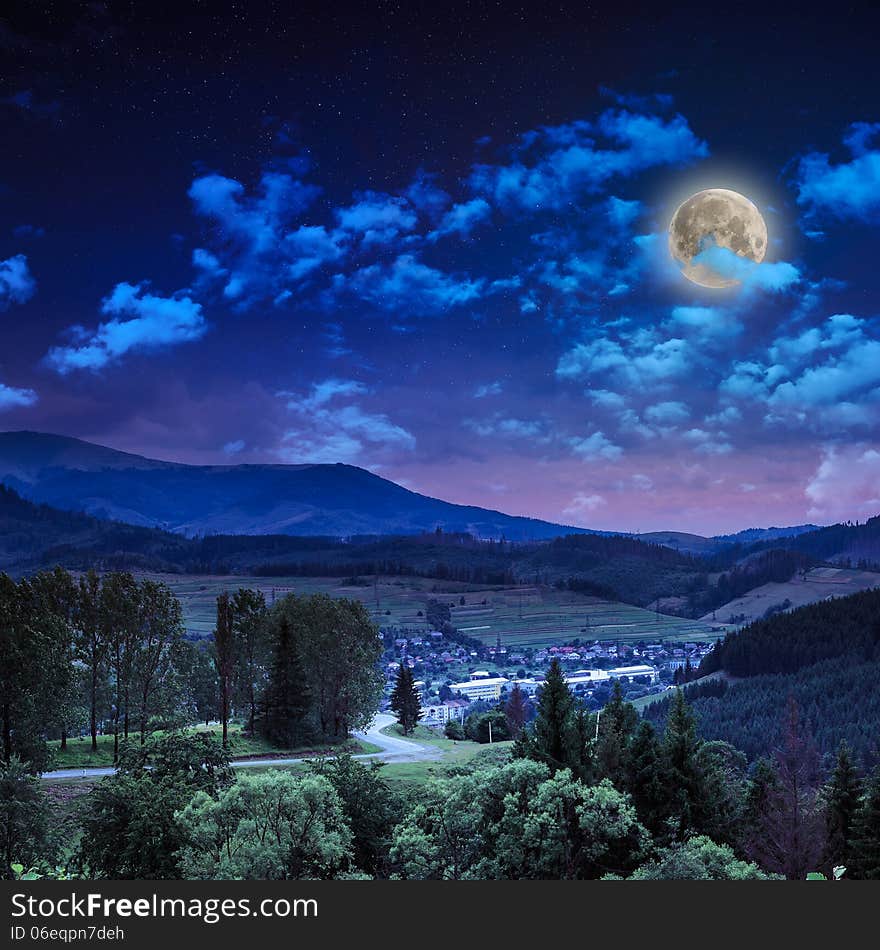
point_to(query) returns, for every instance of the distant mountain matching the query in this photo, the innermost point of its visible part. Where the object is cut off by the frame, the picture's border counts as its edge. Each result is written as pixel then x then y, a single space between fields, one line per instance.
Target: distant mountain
pixel 751 535
pixel 305 500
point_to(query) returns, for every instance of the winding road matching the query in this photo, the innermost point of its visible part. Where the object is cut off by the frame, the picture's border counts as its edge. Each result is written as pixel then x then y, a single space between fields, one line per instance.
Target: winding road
pixel 394 749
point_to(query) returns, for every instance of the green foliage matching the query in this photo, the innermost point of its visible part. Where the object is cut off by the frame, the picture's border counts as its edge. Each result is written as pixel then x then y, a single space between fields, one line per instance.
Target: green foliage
pixel 517 821
pixel 129 830
pixel 328 658
pixel 36 672
pixel 865 848
pixel 454 730
pixel 699 859
pixel 481 726
pixel 24 819
pixel 842 797
pixel 274 826
pixel 370 807
pixel 557 736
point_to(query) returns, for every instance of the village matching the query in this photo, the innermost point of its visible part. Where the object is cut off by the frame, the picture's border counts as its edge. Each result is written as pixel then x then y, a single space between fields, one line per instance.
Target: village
pixel 456 679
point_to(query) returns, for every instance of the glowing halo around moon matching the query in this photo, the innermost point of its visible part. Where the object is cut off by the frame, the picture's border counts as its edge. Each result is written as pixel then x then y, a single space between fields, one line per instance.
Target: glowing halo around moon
pixel 716 219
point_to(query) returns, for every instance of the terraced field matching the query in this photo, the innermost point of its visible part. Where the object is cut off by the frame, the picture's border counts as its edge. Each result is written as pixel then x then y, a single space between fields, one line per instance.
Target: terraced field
pixel 520 616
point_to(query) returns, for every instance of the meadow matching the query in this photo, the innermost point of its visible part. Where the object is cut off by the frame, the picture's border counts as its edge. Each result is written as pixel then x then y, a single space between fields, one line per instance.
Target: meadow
pixel 520 616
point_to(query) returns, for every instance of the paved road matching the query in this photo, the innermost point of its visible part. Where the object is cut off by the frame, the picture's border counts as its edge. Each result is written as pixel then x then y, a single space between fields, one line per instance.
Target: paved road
pixel 394 749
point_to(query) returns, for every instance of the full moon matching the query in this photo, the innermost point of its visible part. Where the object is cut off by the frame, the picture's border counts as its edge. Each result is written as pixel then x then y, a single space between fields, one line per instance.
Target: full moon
pixel 721 218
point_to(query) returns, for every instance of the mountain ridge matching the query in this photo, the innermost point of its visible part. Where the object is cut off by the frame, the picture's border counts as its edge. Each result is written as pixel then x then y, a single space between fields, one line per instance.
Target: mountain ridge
pixel 308 499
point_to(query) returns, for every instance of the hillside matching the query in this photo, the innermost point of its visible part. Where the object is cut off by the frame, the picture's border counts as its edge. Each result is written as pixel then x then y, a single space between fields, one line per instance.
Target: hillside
pixel 826 655
pixel 802 589
pixel 304 500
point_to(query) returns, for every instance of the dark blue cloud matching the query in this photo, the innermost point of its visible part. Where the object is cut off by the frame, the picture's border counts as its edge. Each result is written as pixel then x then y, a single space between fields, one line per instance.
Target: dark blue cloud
pixel 557 165
pixel 17 284
pixel 848 190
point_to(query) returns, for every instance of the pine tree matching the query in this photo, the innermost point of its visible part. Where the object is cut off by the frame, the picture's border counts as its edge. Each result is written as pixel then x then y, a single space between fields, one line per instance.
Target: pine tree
pixel 865 848
pixel 515 711
pixel 551 739
pixel 760 788
pixel 405 699
pixel 617 724
pixel 646 779
pixel 287 699
pixel 843 797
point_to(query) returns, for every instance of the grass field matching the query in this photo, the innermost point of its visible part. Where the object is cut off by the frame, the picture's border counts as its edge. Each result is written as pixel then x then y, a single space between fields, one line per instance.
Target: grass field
pixel 522 616
pixel 818 584
pixel 79 755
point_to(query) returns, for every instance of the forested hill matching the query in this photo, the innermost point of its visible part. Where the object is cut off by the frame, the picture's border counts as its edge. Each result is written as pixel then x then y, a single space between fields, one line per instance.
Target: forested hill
pixel 785 643
pixel 616 567
pixel 856 543
pixel 825 655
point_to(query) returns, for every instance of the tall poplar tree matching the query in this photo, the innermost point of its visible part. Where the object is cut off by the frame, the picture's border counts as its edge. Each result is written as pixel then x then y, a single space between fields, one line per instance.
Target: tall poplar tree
pixel 224 658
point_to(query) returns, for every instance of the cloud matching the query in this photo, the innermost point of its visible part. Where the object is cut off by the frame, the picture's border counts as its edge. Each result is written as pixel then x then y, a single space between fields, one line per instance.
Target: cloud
pixel 772 276
pixel 488 389
pixel 706 322
pixel 642 361
pixel 408 284
pixel 333 428
pixel 462 218
pixel 251 252
pixel 846 483
pixel 846 191
pixel 498 425
pixel 706 443
pixel 17 284
pixel 667 413
pixel 141 321
pixel 233 448
pixel 310 247
pixel 595 447
pixel 830 382
pixel 13 398
pixel 377 217
pixel 426 195
pixel 556 165
pixel 583 504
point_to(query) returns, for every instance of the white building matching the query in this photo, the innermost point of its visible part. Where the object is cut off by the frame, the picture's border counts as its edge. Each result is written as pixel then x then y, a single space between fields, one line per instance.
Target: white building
pixel 634 672
pixel 481 686
pixel 438 714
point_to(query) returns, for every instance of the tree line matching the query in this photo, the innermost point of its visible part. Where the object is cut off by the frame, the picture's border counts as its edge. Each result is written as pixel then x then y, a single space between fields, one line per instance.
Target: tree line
pixel 577 797
pixel 108 655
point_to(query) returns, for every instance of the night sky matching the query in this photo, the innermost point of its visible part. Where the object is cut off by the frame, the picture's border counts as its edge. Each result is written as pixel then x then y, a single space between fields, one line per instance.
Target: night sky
pixel 430 240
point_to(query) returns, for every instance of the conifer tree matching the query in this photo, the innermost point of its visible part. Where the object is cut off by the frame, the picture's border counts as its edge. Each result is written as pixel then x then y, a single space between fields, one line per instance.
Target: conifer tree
pixel 843 798
pixel 551 739
pixel 646 779
pixel 617 724
pixel 287 698
pixel 865 849
pixel 405 699
pixel 515 711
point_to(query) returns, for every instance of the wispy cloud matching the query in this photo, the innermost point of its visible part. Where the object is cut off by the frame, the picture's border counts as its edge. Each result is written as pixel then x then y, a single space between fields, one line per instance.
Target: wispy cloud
pixel 140 321
pixel 17 284
pixel 556 165
pixel 12 397
pixel 848 190
pixel 331 426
